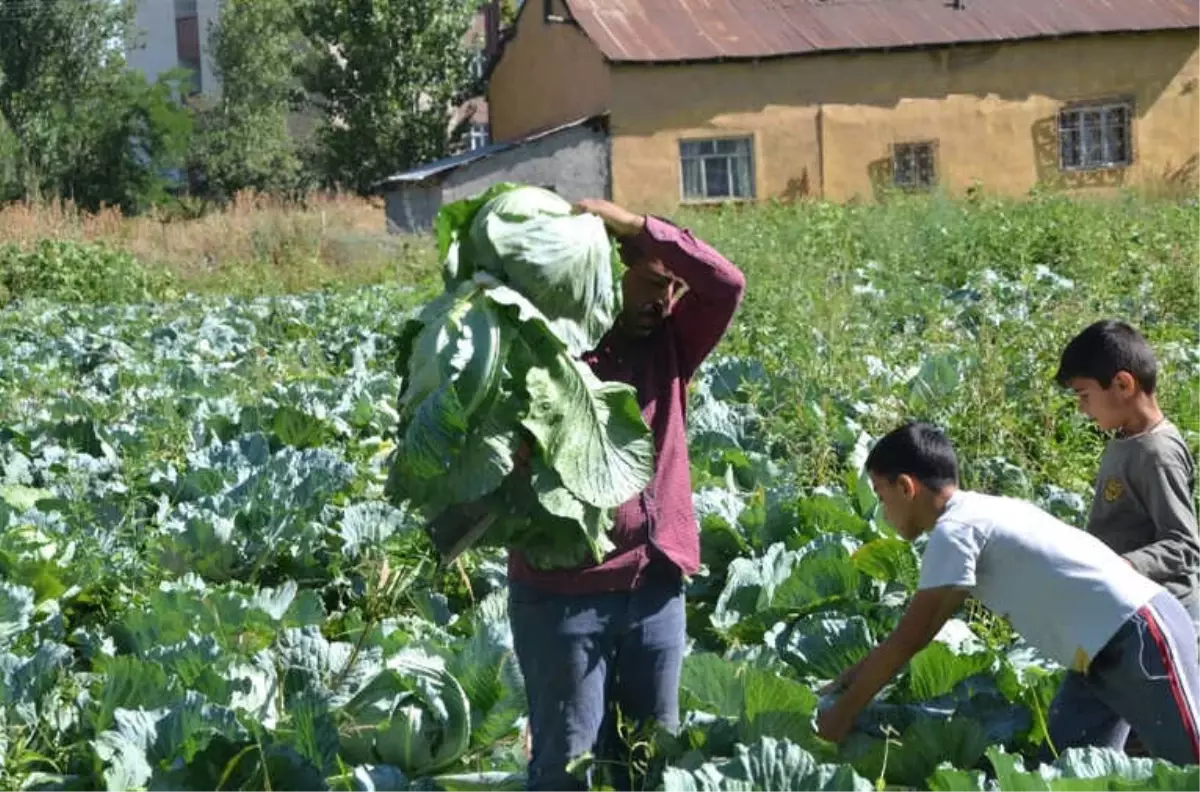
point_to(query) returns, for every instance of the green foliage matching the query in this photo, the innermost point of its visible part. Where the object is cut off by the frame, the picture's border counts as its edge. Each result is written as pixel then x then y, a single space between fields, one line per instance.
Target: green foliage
pixel 206 588
pixel 243 140
pixel 76 272
pixel 78 123
pixel 386 74
pixel 846 305
pixel 377 81
pixel 493 363
pixel 508 13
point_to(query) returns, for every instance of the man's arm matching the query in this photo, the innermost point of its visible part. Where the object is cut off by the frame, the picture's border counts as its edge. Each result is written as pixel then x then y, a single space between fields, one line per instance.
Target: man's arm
pixel 714 285
pixel 1164 491
pixel 925 616
pixel 714 289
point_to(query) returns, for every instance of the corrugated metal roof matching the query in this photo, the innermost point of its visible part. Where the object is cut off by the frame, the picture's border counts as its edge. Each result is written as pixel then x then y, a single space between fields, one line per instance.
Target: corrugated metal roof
pixel 438 167
pixel 690 30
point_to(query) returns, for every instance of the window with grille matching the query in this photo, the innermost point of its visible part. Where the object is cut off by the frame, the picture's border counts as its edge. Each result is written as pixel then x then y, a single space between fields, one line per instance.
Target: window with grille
pixel 717 168
pixel 1094 136
pixel 478 136
pixel 913 165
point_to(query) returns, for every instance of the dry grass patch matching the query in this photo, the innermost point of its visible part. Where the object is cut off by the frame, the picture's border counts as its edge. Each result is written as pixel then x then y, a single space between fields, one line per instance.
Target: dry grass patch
pixel 255 245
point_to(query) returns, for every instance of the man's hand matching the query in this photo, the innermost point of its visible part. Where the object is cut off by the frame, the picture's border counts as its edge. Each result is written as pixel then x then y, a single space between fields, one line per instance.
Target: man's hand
pixel 621 222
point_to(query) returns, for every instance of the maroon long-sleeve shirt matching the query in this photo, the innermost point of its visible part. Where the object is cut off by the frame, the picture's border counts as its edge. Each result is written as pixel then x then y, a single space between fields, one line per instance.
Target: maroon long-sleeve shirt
pixel 660 524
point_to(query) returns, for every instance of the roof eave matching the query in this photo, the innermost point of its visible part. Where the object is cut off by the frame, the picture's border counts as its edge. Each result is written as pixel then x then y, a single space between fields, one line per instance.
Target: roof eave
pixel 487 152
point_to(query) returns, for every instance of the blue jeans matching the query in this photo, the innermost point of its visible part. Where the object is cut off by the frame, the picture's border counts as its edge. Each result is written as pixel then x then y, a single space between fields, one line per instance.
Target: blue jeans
pixel 1145 678
pixel 591 661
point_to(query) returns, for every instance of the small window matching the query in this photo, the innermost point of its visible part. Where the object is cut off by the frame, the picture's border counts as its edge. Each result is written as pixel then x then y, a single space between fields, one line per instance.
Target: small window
pixel 1091 137
pixel 913 165
pixel 478 62
pixel 187 46
pixel 478 136
pixel 717 169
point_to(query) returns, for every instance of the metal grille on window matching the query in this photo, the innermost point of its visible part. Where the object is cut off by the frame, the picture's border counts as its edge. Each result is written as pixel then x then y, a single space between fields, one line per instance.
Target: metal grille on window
pixel 478 136
pixel 912 165
pixel 1094 137
pixel 718 168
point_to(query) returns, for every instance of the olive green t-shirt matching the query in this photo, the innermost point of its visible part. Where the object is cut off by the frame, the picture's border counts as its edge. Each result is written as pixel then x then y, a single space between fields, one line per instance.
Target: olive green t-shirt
pixel 1143 508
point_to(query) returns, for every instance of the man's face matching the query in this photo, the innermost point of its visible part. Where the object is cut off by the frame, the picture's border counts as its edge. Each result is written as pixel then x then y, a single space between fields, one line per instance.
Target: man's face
pixel 898 501
pixel 1105 406
pixel 647 291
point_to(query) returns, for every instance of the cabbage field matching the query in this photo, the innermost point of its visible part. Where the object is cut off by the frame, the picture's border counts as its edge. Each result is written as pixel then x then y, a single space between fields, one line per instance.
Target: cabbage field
pixel 205 585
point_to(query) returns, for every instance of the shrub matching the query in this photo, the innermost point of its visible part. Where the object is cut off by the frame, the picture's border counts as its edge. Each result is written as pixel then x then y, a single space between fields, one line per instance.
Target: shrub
pixel 70 271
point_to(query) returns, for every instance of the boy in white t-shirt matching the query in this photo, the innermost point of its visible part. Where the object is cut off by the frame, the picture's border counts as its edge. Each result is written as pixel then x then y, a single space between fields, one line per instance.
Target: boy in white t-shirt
pixel 1067 593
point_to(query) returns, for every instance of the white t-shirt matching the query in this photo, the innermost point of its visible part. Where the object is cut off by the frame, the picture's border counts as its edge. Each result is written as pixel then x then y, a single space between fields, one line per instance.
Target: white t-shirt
pixel 1061 588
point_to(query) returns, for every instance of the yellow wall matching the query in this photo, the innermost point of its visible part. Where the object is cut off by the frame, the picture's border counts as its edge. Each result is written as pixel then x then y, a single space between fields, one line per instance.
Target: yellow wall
pixel 550 73
pixel 823 125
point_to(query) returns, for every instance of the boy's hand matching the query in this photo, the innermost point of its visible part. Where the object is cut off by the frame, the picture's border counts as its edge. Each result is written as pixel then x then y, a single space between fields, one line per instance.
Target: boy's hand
pixel 833 725
pixel 843 681
pixel 621 222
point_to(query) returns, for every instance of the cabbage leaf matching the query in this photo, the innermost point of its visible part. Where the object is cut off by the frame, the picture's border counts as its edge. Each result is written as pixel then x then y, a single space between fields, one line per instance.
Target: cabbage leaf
pixel 491 367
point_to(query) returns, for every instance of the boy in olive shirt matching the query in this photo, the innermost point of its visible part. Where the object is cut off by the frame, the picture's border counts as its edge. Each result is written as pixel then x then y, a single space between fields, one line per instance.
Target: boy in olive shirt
pixel 1143 505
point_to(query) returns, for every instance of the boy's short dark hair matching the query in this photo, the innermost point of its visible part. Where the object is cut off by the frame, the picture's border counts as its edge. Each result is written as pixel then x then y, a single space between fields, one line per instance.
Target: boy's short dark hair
pixel 1103 350
pixel 919 450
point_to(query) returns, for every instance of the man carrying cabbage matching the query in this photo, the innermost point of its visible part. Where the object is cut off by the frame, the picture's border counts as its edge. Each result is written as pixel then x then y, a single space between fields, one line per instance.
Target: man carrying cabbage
pixel 542 411
pixel 604 643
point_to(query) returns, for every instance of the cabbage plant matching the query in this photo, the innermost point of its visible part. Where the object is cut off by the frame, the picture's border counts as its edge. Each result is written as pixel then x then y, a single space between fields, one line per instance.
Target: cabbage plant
pixel 413 715
pixel 492 376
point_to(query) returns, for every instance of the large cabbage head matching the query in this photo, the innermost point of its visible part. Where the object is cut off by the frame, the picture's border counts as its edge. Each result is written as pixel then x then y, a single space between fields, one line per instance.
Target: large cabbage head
pixel 561 262
pixel 414 715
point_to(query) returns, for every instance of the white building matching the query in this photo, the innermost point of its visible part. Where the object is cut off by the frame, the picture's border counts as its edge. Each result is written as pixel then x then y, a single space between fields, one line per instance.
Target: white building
pixel 174 34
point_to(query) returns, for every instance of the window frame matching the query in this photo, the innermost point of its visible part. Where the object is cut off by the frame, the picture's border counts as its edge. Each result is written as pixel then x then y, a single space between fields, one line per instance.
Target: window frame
pixel 748 138
pixel 934 169
pixel 189 44
pixel 475 132
pixel 1102 106
pixel 478 65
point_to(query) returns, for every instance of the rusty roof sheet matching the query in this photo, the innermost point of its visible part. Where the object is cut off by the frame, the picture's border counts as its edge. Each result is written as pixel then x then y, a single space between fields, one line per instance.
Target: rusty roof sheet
pixel 690 30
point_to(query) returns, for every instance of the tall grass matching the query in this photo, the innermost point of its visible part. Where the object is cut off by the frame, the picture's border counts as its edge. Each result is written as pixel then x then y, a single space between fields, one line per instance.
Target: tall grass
pixel 256 245
pixel 845 303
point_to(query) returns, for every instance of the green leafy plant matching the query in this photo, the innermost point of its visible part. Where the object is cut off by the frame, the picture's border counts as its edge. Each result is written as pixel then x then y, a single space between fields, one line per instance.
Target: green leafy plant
pixel 78 272
pixel 206 586
pixel 491 367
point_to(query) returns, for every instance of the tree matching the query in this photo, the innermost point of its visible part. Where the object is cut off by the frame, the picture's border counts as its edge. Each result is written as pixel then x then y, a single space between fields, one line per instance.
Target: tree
pixel 508 13
pixel 135 140
pixel 384 75
pixel 243 140
pixel 79 124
